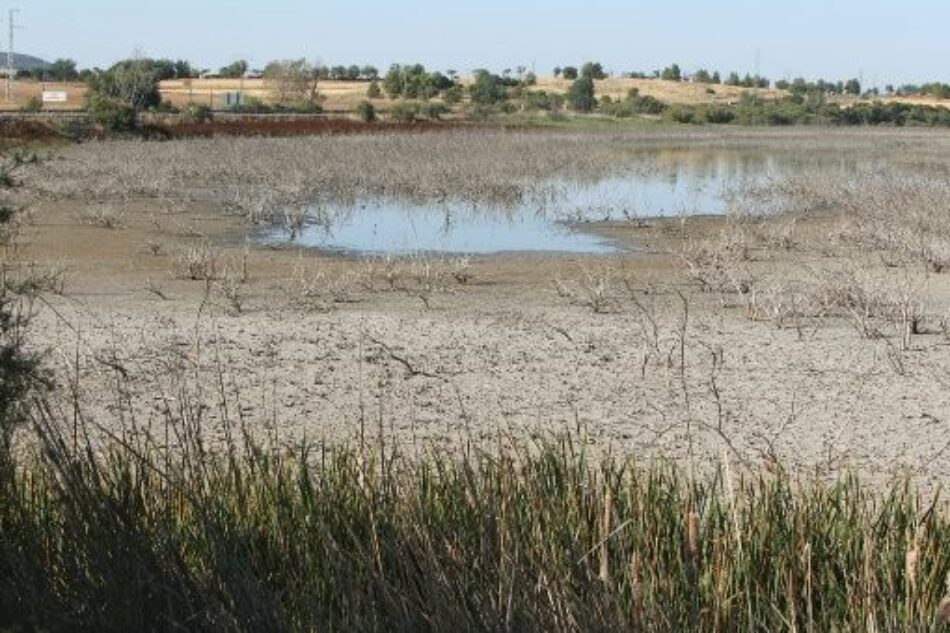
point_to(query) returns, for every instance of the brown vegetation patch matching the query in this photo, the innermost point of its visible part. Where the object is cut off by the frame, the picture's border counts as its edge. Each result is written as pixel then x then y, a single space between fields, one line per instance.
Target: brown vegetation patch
pixel 300 127
pixel 27 130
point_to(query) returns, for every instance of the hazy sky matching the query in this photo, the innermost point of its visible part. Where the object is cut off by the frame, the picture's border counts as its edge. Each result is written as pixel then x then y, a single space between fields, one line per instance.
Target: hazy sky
pixel 883 41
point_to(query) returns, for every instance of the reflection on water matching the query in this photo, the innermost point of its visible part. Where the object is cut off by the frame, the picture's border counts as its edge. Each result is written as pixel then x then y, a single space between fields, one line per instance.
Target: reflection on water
pixel 380 228
pixel 552 216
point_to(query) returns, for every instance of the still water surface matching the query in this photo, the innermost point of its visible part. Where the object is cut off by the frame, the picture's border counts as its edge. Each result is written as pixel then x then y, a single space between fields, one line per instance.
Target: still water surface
pixel 554 216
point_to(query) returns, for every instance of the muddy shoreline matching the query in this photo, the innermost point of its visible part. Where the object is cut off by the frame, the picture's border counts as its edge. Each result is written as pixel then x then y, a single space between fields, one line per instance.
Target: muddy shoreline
pixel 628 348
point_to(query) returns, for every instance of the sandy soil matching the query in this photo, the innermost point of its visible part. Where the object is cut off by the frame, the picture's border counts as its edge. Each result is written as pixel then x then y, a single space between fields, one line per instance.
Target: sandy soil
pixel 329 347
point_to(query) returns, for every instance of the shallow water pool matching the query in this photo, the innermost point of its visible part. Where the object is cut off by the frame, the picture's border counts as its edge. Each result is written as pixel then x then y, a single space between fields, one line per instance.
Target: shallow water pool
pixel 553 216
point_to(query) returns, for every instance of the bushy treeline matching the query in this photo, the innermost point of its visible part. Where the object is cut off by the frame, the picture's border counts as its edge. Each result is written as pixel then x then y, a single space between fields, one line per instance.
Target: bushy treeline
pixel 632 105
pixel 413 81
pixel 594 70
pixel 674 72
pixel 353 72
pixel 800 110
pixel 800 86
pixel 118 94
pixel 490 93
pixel 934 89
pixel 65 69
pixel 809 108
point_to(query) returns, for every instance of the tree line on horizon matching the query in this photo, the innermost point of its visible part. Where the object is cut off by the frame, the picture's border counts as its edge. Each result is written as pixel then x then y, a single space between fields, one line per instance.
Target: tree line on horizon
pixel 65 69
pixel 118 94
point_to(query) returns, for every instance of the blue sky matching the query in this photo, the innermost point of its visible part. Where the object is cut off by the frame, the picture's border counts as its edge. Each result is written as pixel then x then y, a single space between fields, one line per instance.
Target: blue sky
pixel 882 41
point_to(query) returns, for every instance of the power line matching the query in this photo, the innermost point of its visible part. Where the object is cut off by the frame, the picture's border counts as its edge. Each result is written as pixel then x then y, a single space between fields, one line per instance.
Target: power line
pixel 11 71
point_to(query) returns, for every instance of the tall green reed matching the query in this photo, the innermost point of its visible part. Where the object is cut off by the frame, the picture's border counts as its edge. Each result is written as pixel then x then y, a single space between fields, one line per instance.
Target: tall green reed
pixel 130 533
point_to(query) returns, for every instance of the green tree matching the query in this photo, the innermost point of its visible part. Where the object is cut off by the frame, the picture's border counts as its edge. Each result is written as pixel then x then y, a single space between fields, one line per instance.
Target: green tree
pixel 404 112
pixel 115 96
pixel 852 87
pixel 419 84
pixel 183 70
pixel 163 68
pixel 292 82
pixel 373 92
pixel 411 81
pixel 434 110
pixel 394 81
pixel 110 114
pixel 338 73
pixel 366 111
pixel 594 70
pixel 646 104
pixel 234 70
pixel 671 73
pixel 487 89
pixel 453 95
pixel 440 82
pixel 569 72
pixel 581 94
pixel 62 70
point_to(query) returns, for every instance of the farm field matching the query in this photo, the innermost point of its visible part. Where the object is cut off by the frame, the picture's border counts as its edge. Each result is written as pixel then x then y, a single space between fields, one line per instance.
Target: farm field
pixel 343 96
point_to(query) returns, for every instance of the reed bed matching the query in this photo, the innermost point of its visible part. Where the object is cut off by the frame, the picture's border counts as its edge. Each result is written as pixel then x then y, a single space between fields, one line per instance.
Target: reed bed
pixel 259 178
pixel 134 535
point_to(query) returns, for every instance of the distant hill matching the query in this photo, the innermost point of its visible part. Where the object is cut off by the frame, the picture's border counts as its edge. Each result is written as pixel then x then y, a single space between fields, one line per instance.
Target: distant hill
pixel 24 62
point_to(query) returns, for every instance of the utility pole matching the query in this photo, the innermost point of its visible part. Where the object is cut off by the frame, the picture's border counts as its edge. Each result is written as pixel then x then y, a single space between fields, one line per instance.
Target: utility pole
pixel 11 72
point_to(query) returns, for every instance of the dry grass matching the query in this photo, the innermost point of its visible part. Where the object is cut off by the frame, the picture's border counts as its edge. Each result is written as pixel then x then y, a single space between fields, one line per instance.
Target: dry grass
pixel 106 216
pixel 345 95
pixel 262 178
pixel 874 265
pixel 671 92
